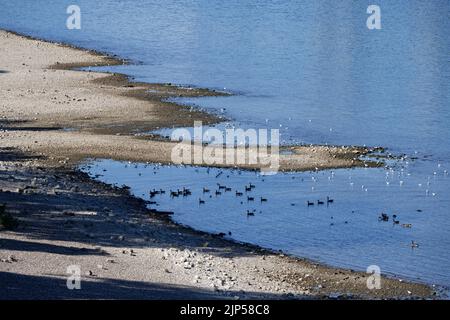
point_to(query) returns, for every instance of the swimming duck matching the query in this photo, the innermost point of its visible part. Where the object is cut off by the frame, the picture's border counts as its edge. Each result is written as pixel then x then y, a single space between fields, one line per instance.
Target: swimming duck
pixel 383 217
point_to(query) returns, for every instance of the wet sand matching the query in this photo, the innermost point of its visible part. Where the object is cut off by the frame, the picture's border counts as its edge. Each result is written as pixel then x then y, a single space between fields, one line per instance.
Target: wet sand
pixel 67 115
pixel 53 117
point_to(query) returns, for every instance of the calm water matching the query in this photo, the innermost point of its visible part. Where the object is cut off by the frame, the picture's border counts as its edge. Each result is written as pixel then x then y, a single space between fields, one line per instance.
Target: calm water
pixel 347 232
pixel 312 69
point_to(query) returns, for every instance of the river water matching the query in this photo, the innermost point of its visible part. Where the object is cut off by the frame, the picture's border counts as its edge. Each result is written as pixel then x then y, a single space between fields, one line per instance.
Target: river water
pixel 315 71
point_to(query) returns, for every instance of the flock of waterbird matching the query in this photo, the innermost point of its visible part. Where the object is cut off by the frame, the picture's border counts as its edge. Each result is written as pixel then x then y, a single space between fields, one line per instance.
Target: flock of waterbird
pixel 248 197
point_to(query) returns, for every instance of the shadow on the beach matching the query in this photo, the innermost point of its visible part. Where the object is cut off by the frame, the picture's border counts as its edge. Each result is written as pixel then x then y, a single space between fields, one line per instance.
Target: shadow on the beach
pixel 61 218
pixel 30 246
pixel 18 286
pixel 19 125
pixel 3 71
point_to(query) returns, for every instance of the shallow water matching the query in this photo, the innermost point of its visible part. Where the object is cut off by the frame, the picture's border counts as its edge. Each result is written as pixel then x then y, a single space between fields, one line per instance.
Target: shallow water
pixel 313 70
pixel 346 232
